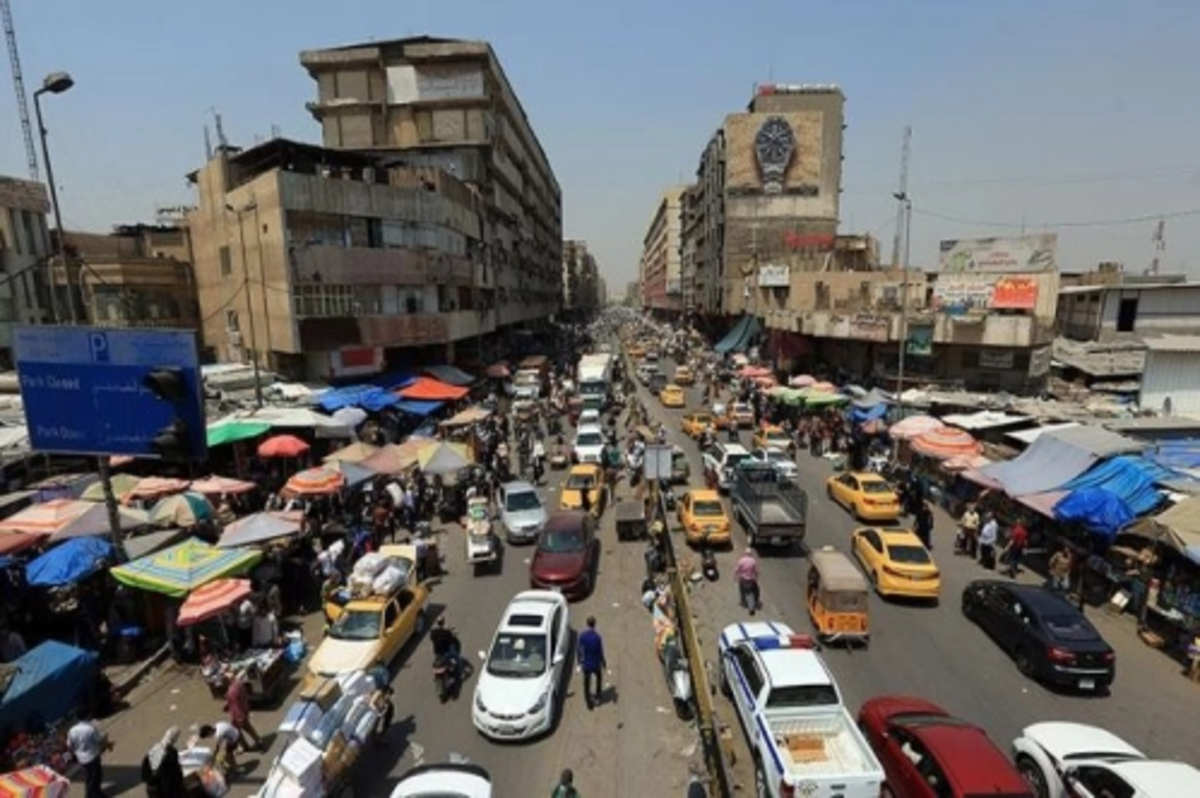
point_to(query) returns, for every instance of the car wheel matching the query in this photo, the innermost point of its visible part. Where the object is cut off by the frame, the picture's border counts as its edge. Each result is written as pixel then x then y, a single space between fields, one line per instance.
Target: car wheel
pixel 1033 776
pixel 1025 663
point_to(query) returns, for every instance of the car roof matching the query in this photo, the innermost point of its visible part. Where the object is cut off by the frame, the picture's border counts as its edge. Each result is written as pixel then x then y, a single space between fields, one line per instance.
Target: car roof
pixel 703 493
pixel 589 428
pixel 734 448
pixel 584 468
pixel 795 667
pixel 1036 597
pixel 1160 776
pixel 969 757
pixel 538 604
pixel 898 536
pixel 1066 739
pixel 518 486
pixel 565 520
pixel 867 476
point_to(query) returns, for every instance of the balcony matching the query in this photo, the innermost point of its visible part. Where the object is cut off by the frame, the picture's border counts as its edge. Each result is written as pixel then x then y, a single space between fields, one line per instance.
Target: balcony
pixel 366 266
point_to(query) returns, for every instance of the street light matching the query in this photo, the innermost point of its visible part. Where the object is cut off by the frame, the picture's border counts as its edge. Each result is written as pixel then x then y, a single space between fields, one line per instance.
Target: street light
pixel 54 83
pixel 252 205
pixel 903 197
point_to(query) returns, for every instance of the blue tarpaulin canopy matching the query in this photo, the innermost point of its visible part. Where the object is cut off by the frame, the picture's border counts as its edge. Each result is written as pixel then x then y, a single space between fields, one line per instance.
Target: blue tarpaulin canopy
pixel 739 337
pixel 1176 454
pixel 418 408
pixel 1130 478
pixel 1100 510
pixel 69 562
pixel 369 397
pixel 52 679
pixel 394 380
pixel 861 415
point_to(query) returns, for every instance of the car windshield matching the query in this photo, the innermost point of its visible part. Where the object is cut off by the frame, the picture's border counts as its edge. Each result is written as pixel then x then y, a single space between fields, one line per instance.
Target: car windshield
pixel 804 695
pixel 1068 627
pixel 909 555
pixel 356 625
pixel 708 507
pixel 702 419
pixel 589 439
pixel 581 482
pixel 732 460
pixel 520 500
pixel 875 486
pixel 776 457
pixel 561 541
pixel 520 656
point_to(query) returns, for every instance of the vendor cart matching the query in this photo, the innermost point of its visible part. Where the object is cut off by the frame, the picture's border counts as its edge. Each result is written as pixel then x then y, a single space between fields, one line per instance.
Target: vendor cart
pixel 631 520
pixel 481 542
pixel 264 671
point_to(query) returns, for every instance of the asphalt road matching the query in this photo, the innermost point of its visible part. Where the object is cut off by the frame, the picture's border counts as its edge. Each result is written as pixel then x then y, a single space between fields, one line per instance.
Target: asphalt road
pixel 933 652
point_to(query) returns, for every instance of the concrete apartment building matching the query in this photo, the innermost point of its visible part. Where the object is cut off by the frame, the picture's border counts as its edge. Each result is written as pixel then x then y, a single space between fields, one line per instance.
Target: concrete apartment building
pixel 447 104
pixel 136 276
pixel 662 263
pixel 328 264
pixel 580 280
pixel 24 249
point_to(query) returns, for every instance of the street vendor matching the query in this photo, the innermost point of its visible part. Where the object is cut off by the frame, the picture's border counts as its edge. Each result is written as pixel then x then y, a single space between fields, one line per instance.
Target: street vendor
pixel 264 630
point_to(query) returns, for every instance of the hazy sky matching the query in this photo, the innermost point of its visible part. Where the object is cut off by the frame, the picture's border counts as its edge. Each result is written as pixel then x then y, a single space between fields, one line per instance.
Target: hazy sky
pixel 1024 112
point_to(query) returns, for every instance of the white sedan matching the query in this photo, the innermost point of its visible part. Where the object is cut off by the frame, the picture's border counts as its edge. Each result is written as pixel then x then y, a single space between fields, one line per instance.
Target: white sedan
pixel 517 693
pixel 589 444
pixel 454 780
pixel 778 459
pixel 1066 760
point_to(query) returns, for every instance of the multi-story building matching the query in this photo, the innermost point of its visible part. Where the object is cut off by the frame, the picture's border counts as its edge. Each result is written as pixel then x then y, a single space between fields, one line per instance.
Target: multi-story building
pixel 661 267
pixel 330 264
pixel 24 250
pixel 1110 305
pixel 137 276
pixel 581 281
pixel 446 103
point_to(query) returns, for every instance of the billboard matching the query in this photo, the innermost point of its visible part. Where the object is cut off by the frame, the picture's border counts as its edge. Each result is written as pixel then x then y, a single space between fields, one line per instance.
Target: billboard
pixel 957 297
pixel 867 327
pixel 1009 255
pixel 774 275
pixel 1015 293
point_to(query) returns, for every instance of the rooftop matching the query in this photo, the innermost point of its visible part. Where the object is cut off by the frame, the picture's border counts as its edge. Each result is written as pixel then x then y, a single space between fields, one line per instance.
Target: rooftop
pixel 1173 343
pixel 1116 358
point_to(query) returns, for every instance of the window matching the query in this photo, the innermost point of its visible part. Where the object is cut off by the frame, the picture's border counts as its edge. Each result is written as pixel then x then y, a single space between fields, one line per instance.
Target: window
pixel 231 321
pixel 226 261
pixel 324 300
pixel 749 669
pixel 1101 783
pixel 390 616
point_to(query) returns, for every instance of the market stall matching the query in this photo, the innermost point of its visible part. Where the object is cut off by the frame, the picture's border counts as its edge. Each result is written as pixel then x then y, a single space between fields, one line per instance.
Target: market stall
pixel 38 781
pixel 46 686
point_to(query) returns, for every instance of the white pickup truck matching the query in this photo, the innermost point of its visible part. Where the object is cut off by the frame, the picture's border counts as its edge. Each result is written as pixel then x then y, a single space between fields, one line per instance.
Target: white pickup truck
pixel 804 741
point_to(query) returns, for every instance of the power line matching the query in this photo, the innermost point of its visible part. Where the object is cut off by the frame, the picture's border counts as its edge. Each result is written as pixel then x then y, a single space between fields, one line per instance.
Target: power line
pixel 1152 217
pixel 1042 181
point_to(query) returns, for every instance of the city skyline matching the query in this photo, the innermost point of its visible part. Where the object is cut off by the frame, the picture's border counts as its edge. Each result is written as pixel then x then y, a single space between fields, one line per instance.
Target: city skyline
pixel 1051 128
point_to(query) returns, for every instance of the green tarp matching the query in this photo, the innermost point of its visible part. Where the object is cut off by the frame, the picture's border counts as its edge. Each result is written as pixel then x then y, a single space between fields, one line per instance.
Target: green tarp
pixel 232 431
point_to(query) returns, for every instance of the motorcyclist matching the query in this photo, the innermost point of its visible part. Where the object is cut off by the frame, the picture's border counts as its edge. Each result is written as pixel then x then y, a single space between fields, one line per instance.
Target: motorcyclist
pixel 446 645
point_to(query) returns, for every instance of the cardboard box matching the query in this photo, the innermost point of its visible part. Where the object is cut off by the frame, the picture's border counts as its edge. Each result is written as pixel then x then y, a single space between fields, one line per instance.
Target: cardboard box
pixel 323 692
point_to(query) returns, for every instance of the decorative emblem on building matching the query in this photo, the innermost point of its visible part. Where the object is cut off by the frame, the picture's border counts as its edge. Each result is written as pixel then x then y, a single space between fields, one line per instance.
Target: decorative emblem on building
pixel 775 145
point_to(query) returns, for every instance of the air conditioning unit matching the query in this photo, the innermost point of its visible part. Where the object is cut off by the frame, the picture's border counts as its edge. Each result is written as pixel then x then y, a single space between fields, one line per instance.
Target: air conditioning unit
pixel 235 337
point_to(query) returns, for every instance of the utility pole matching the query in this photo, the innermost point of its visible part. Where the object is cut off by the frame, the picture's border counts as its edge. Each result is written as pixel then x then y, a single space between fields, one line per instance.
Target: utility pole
pixel 906 207
pixel 902 191
pixel 258 390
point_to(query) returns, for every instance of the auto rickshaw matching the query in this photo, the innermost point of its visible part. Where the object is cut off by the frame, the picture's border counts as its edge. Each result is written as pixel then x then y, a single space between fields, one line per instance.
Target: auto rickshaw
pixel 837 598
pixel 631 520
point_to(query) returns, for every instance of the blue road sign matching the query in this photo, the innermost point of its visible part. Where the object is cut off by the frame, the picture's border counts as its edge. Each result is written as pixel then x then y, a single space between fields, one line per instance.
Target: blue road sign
pixel 83 389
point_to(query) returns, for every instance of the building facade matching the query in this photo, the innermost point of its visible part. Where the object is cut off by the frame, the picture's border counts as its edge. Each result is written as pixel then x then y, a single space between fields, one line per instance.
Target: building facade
pixel 326 264
pixel 447 104
pixel 24 252
pixel 662 257
pixel 1128 307
pixel 580 281
pixel 137 276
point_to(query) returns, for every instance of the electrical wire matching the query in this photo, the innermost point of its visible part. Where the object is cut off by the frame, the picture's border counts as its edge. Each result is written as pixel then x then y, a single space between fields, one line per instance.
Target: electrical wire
pixel 224 304
pixel 1152 217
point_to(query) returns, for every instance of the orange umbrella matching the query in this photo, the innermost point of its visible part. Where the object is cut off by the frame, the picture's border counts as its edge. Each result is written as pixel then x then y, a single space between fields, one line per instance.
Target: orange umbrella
pixel 150 487
pixel 282 446
pixel 315 482
pixel 212 599
pixel 47 517
pixel 945 443
pixel 215 486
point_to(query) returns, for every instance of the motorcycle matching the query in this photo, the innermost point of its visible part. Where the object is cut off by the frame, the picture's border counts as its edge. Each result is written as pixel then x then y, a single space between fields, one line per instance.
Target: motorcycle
pixel 669 499
pixel 679 678
pixel 447 675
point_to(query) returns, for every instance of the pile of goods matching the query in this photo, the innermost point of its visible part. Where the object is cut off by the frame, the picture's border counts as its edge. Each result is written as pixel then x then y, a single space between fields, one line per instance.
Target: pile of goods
pixel 328 726
pixel 375 574
pixel 47 748
pixel 38 781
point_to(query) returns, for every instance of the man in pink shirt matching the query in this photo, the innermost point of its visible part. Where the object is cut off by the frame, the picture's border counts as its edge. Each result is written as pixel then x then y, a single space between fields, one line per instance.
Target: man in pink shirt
pixel 746 573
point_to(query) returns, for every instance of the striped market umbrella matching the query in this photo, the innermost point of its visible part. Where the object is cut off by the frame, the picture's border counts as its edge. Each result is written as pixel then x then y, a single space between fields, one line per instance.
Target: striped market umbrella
pixel 182 510
pixel 913 426
pixel 212 599
pixel 282 446
pixel 122 485
pixel 178 570
pixel 217 486
pixel 153 487
pixel 320 481
pixel 944 443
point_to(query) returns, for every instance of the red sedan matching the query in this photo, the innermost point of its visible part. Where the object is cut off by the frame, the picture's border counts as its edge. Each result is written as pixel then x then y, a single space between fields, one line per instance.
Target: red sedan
pixel 928 753
pixel 565 558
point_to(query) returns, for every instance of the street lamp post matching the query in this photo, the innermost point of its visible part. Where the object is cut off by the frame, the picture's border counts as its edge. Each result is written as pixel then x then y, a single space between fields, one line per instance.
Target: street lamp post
pixel 903 197
pixel 251 206
pixel 55 83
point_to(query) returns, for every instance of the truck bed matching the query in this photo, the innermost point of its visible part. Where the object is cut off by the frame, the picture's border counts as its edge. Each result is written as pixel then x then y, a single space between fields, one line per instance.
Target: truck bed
pixel 778 513
pixel 823 746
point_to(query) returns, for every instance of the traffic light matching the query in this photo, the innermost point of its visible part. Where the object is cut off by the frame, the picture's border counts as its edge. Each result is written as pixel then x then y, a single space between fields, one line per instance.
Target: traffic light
pixel 172 443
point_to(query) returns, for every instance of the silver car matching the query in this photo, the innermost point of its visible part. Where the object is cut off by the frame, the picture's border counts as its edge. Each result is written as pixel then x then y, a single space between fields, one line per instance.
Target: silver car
pixel 522 512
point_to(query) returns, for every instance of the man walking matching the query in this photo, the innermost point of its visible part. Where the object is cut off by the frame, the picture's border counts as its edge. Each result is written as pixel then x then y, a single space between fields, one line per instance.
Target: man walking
pixel 987 542
pixel 88 744
pixel 746 573
pixel 592 662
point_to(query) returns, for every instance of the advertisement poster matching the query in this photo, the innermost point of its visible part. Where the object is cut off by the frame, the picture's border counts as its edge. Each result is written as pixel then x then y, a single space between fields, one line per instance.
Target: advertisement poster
pixel 1015 293
pixel 864 327
pixel 957 297
pixel 920 340
pixel 996 360
pixel 1012 255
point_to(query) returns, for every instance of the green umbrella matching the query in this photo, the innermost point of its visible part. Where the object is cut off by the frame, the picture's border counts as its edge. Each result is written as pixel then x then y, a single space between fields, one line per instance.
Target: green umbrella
pixel 122 485
pixel 232 431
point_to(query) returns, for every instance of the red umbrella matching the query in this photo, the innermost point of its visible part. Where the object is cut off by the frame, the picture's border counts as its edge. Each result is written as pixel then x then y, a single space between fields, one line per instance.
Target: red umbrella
pixel 282 446
pixel 212 599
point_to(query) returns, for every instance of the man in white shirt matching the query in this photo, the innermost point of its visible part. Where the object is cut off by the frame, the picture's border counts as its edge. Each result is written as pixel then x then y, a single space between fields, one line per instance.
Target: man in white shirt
pixel 987 542
pixel 87 744
pixel 225 737
pixel 264 629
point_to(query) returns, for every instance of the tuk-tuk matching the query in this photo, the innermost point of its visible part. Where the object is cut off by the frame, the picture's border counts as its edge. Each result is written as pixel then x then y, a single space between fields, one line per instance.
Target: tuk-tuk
pixel 481 542
pixel 680 470
pixel 631 520
pixel 837 597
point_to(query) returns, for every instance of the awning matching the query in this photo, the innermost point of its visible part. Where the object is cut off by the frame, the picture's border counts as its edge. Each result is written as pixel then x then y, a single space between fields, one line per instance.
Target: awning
pixel 223 432
pixel 431 390
pixel 1049 463
pixel 736 338
pixel 1043 503
pixel 1101 511
pixel 394 458
pixel 471 415
pixel 984 419
pixel 422 409
pixel 69 562
pixel 1177 454
pixel 943 443
pixel 369 397
pixel 257 528
pixel 1099 441
pixel 450 375
pixel 1028 436
pixel 870 400
pixel 394 380
pixel 182 568
pixel 1178 527
pixel 16 542
pixel 1131 479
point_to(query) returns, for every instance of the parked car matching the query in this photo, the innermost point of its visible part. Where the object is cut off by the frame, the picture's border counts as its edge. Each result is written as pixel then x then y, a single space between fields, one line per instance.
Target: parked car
pixel 566 554
pixel 452 780
pixel 522 512
pixel 866 495
pixel 896 562
pixel 1046 635
pixel 928 753
pixel 519 686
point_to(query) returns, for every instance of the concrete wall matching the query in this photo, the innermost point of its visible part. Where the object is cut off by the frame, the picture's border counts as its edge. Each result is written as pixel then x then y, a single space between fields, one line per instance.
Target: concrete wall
pixel 1174 375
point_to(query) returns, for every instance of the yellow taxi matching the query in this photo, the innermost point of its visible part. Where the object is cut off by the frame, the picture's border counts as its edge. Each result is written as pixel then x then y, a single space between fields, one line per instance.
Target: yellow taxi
pixel 635 352
pixel 770 436
pixel 866 495
pixel 370 630
pixel 684 376
pixel 672 396
pixel 896 562
pixel 720 416
pixel 703 517
pixel 694 424
pixel 741 414
pixel 583 478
